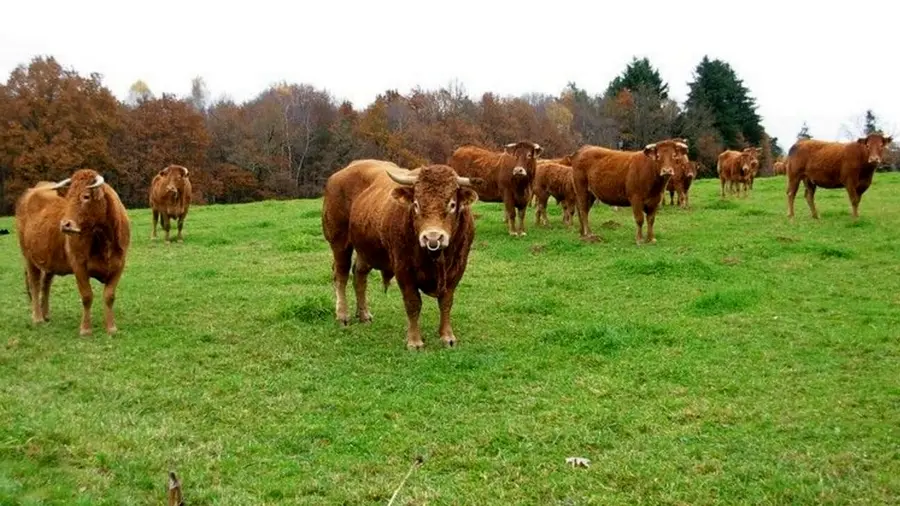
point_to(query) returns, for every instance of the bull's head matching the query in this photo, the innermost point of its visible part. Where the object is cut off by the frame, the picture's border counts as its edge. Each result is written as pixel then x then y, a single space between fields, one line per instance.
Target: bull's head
pixel 525 153
pixel 875 144
pixel 437 197
pixel 668 155
pixel 85 201
pixel 692 169
pixel 750 161
pixel 174 176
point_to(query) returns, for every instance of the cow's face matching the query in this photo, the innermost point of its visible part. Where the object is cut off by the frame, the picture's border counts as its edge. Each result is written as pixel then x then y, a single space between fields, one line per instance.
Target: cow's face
pixel 750 161
pixel 174 177
pixel 875 144
pixel 692 169
pixel 525 153
pixel 85 201
pixel 436 197
pixel 669 155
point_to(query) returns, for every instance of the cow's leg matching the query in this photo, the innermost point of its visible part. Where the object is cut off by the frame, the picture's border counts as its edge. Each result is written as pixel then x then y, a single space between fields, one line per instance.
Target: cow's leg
pixel 567 214
pixel 361 271
pixel 810 195
pixel 540 209
pixel 792 186
pixel 510 211
pixel 521 226
pixel 166 225
pixel 638 209
pixel 584 204
pixel 855 197
pixel 412 299
pixel 180 237
pixel 340 274
pixel 722 180
pixel 87 298
pixel 33 277
pixel 155 222
pixel 445 303
pixel 651 219
pixel 46 282
pixel 109 298
pixel 672 197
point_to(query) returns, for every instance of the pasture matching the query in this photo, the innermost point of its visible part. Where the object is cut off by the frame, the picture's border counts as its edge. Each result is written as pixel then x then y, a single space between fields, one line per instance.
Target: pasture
pixel 742 359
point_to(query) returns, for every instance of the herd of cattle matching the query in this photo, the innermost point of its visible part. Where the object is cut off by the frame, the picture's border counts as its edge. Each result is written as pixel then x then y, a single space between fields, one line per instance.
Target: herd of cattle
pixel 417 225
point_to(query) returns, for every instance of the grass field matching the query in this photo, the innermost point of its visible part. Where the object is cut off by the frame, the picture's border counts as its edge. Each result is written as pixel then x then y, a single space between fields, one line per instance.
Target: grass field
pixel 743 359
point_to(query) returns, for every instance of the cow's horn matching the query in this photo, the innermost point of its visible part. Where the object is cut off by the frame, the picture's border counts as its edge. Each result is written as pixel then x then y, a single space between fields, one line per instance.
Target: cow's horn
pixel 511 145
pixel 650 146
pixel 97 182
pixel 404 180
pixel 681 145
pixel 184 169
pixel 463 181
pixel 61 184
pixel 536 145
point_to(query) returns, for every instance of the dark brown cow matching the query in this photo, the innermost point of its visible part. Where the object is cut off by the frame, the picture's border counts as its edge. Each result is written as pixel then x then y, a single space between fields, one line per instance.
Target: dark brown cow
pixel 170 198
pixel 416 226
pixel 87 233
pixel 553 179
pixel 779 167
pixel 626 178
pixel 737 168
pixel 507 176
pixel 830 165
pixel 680 183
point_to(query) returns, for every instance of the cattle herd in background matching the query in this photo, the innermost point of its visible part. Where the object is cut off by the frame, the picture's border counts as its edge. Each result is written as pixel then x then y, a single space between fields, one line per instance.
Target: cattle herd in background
pixel 417 225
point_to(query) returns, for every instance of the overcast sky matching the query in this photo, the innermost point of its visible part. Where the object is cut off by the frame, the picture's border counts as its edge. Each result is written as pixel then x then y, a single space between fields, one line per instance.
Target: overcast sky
pixel 801 60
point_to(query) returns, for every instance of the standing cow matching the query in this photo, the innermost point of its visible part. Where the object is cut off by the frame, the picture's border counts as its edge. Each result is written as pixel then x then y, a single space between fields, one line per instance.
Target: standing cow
pixel 85 233
pixel 626 178
pixel 170 198
pixel 779 167
pixel 680 183
pixel 553 178
pixel 737 169
pixel 507 176
pixel 830 165
pixel 416 226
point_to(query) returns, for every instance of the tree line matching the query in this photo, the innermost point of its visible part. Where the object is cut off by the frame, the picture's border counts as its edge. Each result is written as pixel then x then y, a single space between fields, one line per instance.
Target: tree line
pixel 287 140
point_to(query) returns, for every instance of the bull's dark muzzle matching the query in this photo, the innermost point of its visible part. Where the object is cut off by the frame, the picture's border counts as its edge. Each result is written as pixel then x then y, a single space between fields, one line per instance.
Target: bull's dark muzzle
pixel 434 240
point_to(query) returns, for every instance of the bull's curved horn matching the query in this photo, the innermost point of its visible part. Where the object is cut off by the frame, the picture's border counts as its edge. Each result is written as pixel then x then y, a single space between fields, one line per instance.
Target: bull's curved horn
pixel 536 145
pixel 463 181
pixel 402 179
pixel 185 171
pixel 511 145
pixel 681 145
pixel 650 146
pixel 97 182
pixel 61 184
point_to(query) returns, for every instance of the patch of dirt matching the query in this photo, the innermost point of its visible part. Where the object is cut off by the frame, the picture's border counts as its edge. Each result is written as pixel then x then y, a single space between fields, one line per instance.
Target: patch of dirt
pixel 785 240
pixel 731 260
pixel 592 239
pixel 611 225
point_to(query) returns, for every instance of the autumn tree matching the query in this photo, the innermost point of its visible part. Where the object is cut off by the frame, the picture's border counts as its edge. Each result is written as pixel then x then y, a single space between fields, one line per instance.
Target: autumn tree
pixel 138 92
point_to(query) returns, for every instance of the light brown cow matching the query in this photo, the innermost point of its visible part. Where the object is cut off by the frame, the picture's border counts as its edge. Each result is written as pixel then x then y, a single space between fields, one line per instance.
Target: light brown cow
pixel 507 176
pixel 416 226
pixel 831 165
pixel 737 169
pixel 626 178
pixel 170 198
pixel 553 179
pixel 779 167
pixel 681 182
pixel 86 233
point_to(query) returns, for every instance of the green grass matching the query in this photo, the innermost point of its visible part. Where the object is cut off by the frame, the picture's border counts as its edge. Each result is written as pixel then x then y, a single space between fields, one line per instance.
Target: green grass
pixel 743 359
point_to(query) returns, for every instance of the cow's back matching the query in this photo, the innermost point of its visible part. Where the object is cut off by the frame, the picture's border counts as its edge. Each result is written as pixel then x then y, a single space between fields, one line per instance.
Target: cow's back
pixel 556 179
pixel 38 216
pixel 471 161
pixel 606 173
pixel 728 162
pixel 826 164
pixel 341 191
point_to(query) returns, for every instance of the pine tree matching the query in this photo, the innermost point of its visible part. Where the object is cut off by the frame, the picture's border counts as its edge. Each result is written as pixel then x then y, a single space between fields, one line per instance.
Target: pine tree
pixel 717 88
pixel 804 132
pixel 871 123
pixel 639 75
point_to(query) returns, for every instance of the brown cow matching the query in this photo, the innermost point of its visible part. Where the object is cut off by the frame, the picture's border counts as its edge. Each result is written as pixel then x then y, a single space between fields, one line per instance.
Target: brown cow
pixel 626 178
pixel 507 176
pixel 681 182
pixel 170 198
pixel 553 178
pixel 737 168
pixel 830 165
pixel 416 226
pixel 86 233
pixel 779 167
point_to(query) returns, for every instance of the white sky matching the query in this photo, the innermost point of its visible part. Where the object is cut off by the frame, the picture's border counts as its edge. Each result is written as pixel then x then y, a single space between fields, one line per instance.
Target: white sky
pixel 800 59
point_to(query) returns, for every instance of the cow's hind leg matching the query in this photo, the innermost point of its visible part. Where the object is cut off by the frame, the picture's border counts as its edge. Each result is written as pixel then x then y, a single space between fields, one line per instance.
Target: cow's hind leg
pixel 810 195
pixel 361 271
pixel 155 223
pixel 33 278
pixel 46 282
pixel 109 298
pixel 445 303
pixel 584 204
pixel 793 185
pixel 638 209
pixel 341 273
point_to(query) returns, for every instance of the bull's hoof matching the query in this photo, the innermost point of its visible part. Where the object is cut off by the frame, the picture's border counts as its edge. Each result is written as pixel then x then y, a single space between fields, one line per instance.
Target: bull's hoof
pixel 365 317
pixel 180 239
pixel 343 320
pixel 513 233
pixel 652 241
pixel 415 345
pixel 85 332
pixel 449 341
pixel 112 330
pixel 522 234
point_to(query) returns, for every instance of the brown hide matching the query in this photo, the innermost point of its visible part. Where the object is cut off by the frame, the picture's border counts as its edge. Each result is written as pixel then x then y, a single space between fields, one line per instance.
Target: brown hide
pixel 170 198
pixel 553 179
pixel 681 182
pixel 737 169
pixel 419 231
pixel 507 176
pixel 86 233
pixel 625 178
pixel 779 167
pixel 848 165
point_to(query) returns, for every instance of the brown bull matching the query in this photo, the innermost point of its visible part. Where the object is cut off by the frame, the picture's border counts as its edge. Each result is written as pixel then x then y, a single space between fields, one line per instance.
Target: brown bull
pixel 680 183
pixel 416 226
pixel 626 178
pixel 737 169
pixel 85 233
pixel 831 165
pixel 553 179
pixel 507 177
pixel 170 198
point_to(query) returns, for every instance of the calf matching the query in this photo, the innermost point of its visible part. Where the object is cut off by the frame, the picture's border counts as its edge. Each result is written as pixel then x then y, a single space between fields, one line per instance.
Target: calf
pixel 416 226
pixel 737 168
pixel 626 178
pixel 779 167
pixel 830 165
pixel 86 233
pixel 170 198
pixel 681 182
pixel 554 178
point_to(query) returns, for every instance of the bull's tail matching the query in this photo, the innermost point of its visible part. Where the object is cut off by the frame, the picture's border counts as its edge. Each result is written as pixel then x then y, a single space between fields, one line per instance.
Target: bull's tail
pixel 386 278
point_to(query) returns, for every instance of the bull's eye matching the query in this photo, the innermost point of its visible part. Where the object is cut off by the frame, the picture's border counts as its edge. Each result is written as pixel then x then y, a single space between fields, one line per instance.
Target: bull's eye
pixel 451 206
pixel 416 206
pixel 86 197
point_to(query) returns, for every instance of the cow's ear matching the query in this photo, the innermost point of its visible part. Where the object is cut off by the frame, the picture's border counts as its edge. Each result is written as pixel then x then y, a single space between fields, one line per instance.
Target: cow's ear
pixel 538 150
pixel 861 140
pixel 404 194
pixel 466 197
pixel 887 140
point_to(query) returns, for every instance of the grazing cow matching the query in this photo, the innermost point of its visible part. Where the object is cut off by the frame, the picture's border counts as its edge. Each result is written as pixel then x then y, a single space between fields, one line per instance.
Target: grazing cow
pixel 554 178
pixel 831 165
pixel 681 182
pixel 737 168
pixel 507 176
pixel 85 233
pixel 416 226
pixel 779 167
pixel 170 198
pixel 626 178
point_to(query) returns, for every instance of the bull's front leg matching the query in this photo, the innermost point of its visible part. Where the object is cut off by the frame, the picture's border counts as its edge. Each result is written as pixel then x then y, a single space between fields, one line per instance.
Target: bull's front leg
pixel 638 209
pixel 166 225
pixel 445 303
pixel 651 219
pixel 87 298
pixel 412 300
pixel 521 227
pixel 109 298
pixel 180 237
pixel 510 211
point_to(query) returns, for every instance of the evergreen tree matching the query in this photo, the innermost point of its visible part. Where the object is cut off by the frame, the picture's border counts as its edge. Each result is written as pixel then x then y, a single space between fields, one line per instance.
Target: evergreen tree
pixel 639 75
pixel 804 132
pixel 871 123
pixel 717 88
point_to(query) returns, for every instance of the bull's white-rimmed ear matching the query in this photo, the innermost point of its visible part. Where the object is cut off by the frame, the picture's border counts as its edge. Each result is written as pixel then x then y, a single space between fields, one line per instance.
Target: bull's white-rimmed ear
pixel 403 194
pixel 538 149
pixel 466 197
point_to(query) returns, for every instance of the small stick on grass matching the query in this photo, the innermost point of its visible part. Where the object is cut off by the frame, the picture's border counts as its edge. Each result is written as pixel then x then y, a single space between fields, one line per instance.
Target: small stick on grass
pixel 415 464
